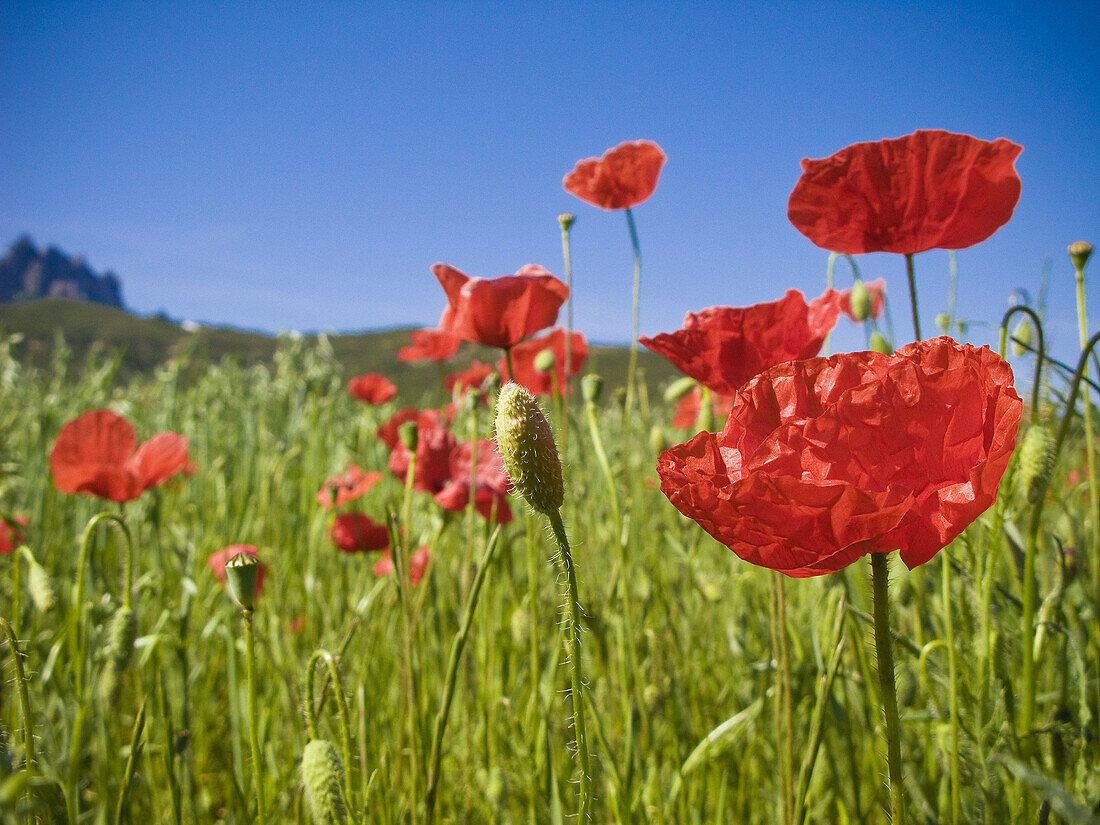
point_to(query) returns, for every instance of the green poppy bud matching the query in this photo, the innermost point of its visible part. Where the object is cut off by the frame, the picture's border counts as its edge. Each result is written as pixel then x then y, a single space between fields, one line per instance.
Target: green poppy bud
pixel 41 586
pixel 1036 462
pixel 409 435
pixel 880 344
pixel 566 221
pixel 527 447
pixel 242 575
pixel 679 388
pixel 323 782
pixel 1079 252
pixel 544 361
pixel 121 634
pixel 1021 338
pixel 591 388
pixel 860 301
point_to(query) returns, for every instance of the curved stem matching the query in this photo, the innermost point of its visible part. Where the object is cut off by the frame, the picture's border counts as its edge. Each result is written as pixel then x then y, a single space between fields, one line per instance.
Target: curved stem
pixel 884 647
pixel 457 646
pixel 1041 356
pixel 341 710
pixel 913 293
pixel 573 649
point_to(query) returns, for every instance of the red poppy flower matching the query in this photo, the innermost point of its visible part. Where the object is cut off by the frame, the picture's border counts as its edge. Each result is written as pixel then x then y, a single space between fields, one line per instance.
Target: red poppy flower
pixel 499 312
pixel 425 420
pixel 524 355
pixel 347 486
pixel 825 460
pixel 491 482
pixel 723 347
pixel 876 289
pixel 10 534
pixel 371 388
pixel 216 562
pixel 429 345
pixel 358 533
pixel 687 408
pixel 470 378
pixel 433 456
pixel 928 190
pixel 418 564
pixel 624 177
pixel 97 455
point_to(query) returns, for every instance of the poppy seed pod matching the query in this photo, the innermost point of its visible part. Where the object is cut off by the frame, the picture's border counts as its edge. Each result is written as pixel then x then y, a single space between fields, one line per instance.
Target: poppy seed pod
pixel 241 575
pixel 323 781
pixel 591 388
pixel 527 447
pixel 566 221
pixel 860 301
pixel 1079 252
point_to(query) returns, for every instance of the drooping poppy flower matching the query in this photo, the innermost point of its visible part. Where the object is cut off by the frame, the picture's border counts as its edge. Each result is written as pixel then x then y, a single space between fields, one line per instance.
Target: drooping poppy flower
pixel 433 456
pixel 723 347
pixel 418 564
pixel 825 460
pixel 542 383
pixel 470 378
pixel 216 562
pixel 429 345
pixel 499 312
pixel 624 177
pixel 358 533
pixel 425 420
pixel 346 486
pixel 928 190
pixel 687 408
pixel 491 482
pixel 371 388
pixel 10 534
pixel 97 454
pixel 876 289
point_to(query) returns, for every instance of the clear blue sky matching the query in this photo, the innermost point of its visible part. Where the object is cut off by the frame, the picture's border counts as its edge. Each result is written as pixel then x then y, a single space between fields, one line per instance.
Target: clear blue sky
pixel 300 166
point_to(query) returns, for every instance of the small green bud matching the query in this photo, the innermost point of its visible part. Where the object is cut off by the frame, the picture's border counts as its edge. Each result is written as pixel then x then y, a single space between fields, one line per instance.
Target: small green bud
pixel 323 781
pixel 880 344
pixel 566 221
pixel 527 447
pixel 943 321
pixel 1079 252
pixel 409 434
pixel 679 388
pixel 41 586
pixel 1021 338
pixel 591 388
pixel 1036 462
pixel 241 575
pixel 860 301
pixel 544 361
pixel 121 634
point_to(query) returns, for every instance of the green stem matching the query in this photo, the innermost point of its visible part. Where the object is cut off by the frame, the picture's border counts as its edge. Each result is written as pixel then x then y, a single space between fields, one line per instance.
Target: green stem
pixel 1090 440
pixel 131 764
pixel 913 293
pixel 573 649
pixel 605 465
pixel 635 296
pixel 253 709
pixel 565 227
pixel 508 362
pixel 457 646
pixel 782 717
pixel 953 694
pixel 1041 352
pixel 884 647
pixel 24 696
pixel 341 711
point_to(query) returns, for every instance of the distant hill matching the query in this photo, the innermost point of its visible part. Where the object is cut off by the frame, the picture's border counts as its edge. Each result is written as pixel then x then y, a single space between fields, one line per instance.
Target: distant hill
pixel 27 273
pixel 146 343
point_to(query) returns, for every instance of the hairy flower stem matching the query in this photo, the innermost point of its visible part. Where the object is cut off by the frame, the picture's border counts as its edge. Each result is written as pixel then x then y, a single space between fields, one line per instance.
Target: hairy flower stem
pixel 450 680
pixel 573 649
pixel 884 648
pixel 913 294
pixel 253 712
pixel 24 696
pixel 341 711
pixel 1090 440
pixel 953 694
pixel 783 736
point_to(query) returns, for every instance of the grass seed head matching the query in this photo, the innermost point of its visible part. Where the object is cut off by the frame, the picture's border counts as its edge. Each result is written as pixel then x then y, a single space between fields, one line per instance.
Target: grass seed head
pixel 527 447
pixel 323 779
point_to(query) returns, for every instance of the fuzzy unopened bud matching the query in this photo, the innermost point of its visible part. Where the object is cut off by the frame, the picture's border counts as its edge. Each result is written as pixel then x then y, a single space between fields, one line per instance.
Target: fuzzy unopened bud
pixel 121 634
pixel 242 574
pixel 859 300
pixel 1036 462
pixel 880 344
pixel 544 361
pixel 41 586
pixel 679 388
pixel 591 388
pixel 1079 252
pixel 323 781
pixel 527 447
pixel 1021 338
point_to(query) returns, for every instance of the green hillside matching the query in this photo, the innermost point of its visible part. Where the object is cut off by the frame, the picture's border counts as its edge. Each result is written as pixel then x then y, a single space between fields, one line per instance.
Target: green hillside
pixel 145 343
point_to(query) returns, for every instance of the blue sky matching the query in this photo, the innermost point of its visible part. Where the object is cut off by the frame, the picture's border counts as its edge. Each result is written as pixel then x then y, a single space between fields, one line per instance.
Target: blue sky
pixel 300 166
